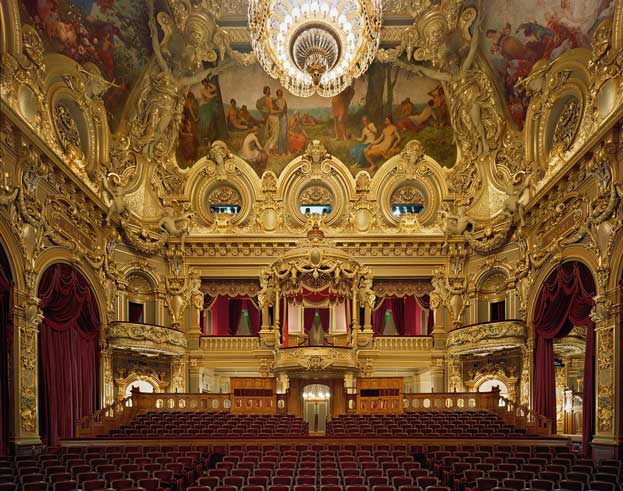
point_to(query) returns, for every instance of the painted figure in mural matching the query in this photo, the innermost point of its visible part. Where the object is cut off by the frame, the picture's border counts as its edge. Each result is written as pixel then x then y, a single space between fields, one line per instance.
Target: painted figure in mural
pixel 281 106
pixel 246 117
pixel 297 138
pixel 385 146
pixel 560 27
pixel 234 120
pixel 368 136
pixel 339 107
pixel 265 105
pixel 252 150
pixel 209 110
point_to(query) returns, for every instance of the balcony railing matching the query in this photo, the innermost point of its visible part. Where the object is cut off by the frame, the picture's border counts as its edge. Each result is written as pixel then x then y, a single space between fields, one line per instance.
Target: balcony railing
pixel 230 343
pixel 486 336
pixel 403 343
pixel 146 336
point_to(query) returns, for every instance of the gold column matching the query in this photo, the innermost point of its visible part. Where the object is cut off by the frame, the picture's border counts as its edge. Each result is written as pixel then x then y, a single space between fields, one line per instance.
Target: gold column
pixel 108 389
pixel 607 317
pixel 25 361
pixel 525 389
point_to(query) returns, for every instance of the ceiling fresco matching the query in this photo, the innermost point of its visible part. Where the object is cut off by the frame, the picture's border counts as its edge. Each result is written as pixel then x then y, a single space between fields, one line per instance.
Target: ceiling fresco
pixel 520 34
pixel 112 34
pixel 363 126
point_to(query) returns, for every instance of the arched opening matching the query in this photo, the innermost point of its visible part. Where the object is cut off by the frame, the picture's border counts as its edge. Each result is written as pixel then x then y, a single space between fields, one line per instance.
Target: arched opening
pixel 68 351
pixel 141 299
pixel 492 297
pixel 6 329
pixel 140 385
pixel 488 385
pixel 564 303
pixel 316 406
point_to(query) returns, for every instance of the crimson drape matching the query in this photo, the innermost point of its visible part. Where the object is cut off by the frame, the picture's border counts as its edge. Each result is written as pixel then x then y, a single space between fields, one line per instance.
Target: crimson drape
pixel 406 312
pixel 565 300
pixel 308 318
pixel 68 351
pixel 424 302
pixel 219 311
pixel 6 341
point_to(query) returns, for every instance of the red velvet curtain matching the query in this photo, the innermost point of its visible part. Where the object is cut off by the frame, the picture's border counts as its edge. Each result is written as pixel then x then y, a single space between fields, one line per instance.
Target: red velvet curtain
pixel 236 307
pixel 68 351
pixel 412 317
pixel 565 300
pixel 6 342
pixel 254 317
pixel 424 302
pixel 308 318
pixel 219 311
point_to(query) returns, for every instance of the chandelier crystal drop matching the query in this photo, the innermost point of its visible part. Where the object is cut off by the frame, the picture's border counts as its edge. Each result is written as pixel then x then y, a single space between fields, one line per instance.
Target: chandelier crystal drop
pixel 315 46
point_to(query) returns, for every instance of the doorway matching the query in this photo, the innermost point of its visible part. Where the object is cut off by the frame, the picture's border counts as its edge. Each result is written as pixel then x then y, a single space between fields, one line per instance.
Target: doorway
pixel 316 407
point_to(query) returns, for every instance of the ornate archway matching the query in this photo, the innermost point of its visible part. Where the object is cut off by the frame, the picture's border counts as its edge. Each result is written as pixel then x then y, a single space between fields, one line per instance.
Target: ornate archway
pixel 565 300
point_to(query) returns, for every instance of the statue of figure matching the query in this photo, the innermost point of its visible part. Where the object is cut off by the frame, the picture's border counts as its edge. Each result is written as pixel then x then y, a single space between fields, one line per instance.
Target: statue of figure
pixel 455 223
pixel 266 295
pixel 175 225
pixel 178 65
pixel 118 202
pixel 196 295
pixel 367 297
pixel 515 204
pixel 475 120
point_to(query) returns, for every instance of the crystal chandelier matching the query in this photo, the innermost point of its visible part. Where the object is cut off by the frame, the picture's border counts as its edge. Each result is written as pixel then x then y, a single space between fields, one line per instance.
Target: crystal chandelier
pixel 315 46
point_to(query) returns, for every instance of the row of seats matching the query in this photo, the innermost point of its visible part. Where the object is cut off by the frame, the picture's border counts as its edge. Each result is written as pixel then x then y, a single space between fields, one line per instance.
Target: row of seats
pixel 92 469
pixel 424 424
pixel 310 467
pixel 211 425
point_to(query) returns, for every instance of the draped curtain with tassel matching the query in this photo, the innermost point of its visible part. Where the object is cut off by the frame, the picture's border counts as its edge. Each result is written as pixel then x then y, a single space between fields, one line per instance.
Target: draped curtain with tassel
pixel 565 301
pixel 6 341
pixel 68 350
pixel 225 314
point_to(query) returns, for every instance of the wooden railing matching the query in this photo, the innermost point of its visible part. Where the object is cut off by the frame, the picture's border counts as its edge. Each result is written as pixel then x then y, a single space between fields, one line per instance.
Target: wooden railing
pixel 122 412
pixel 516 415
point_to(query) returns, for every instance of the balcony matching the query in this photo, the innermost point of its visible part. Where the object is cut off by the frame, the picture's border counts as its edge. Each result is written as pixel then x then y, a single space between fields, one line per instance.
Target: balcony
pixel 230 343
pixel 486 337
pixel 403 343
pixel 146 338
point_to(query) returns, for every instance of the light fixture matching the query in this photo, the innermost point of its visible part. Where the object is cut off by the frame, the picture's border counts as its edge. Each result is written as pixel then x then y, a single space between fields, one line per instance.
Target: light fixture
pixel 315 46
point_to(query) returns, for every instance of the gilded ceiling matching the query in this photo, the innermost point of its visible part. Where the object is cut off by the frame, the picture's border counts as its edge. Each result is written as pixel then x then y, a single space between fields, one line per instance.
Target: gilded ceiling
pixel 391 104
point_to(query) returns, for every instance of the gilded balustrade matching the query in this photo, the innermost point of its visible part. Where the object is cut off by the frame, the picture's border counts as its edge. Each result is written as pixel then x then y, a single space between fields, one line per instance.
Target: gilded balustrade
pixel 229 343
pixel 486 337
pixel 403 343
pixel 147 337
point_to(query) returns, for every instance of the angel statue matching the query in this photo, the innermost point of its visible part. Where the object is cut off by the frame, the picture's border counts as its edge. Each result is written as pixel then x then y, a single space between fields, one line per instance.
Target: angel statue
pixel 176 225
pixel 475 120
pixel 179 61
pixel 455 223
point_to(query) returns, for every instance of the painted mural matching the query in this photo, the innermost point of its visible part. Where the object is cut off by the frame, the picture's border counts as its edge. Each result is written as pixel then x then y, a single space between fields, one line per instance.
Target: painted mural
pixel 113 34
pixel 363 126
pixel 521 33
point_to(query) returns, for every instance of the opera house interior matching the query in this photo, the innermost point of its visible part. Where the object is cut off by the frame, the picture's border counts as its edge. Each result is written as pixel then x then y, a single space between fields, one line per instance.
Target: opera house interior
pixel 311 245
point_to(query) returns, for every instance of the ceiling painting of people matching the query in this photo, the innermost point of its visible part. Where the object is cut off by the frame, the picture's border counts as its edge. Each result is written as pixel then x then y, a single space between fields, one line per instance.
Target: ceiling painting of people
pixel 519 34
pixel 368 123
pixel 112 34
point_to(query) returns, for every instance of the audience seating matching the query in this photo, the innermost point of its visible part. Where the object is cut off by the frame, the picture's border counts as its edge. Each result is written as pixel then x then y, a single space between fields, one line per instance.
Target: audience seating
pixel 430 424
pixel 322 466
pixel 211 425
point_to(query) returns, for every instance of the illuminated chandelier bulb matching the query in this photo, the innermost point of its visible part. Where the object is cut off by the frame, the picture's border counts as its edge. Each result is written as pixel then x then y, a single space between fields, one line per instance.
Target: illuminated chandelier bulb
pixel 315 46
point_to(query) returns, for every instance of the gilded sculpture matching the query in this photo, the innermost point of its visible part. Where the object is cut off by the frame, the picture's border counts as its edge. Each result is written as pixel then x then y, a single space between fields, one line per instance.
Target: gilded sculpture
pixel 178 64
